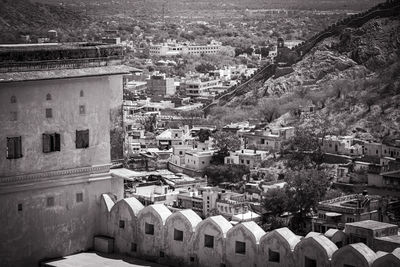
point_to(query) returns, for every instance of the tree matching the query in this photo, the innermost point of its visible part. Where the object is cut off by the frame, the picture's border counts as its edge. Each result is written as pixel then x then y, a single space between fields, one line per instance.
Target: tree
pixel 268 109
pixel 204 135
pixel 226 173
pixel 304 150
pixel 275 201
pixel 205 67
pixel 226 141
pixel 304 189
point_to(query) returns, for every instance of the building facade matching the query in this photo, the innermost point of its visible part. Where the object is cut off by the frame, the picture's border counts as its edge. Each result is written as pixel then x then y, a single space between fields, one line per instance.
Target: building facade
pixel 56 142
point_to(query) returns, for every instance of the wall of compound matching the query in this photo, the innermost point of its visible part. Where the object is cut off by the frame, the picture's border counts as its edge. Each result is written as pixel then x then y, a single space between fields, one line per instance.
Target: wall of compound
pixel 52 221
pixel 276 248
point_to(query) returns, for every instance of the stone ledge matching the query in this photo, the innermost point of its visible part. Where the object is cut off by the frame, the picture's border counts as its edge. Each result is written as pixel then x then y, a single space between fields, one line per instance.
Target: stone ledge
pixel 36 177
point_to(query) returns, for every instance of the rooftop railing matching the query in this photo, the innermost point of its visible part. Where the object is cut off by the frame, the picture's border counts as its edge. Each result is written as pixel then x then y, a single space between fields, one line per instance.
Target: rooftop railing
pixel 58 64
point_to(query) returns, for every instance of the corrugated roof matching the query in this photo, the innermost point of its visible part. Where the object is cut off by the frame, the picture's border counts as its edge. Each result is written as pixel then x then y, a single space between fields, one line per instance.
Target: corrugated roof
pixel 63 73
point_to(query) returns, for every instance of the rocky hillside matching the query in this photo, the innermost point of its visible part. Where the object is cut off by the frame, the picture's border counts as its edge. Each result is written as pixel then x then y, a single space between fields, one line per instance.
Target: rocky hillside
pixel 353 79
pixel 26 17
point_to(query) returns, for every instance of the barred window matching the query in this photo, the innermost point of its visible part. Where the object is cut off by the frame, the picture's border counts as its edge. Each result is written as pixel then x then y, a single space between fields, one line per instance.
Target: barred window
pixel 48 97
pixel 81 94
pixel 14 147
pixel 82 139
pixel 51 142
pixel 13 99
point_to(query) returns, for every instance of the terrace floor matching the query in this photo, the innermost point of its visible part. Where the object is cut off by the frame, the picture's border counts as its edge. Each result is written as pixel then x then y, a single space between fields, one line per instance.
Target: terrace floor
pixel 93 259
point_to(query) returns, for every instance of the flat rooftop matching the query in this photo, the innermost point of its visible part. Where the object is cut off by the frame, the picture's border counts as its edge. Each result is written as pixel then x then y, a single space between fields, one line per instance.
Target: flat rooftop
pixel 92 259
pixel 372 225
pixel 16 76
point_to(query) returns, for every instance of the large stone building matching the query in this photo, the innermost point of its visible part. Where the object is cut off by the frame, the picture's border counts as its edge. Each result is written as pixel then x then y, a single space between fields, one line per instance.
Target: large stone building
pixel 172 48
pixel 60 111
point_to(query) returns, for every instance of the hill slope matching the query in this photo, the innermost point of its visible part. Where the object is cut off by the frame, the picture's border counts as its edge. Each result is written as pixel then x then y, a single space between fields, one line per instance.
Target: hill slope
pixel 352 78
pixel 22 16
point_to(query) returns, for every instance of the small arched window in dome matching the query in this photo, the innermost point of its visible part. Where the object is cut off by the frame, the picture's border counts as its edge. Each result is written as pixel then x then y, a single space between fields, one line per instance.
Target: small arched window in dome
pixel 81 94
pixel 13 99
pixel 48 97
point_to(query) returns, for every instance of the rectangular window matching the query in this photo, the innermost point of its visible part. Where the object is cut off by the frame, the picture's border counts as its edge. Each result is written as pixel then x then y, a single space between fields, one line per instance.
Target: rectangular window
pixel 133 247
pixel 208 241
pixel 149 229
pixel 50 202
pixel 240 247
pixel 161 254
pixel 19 207
pixel 14 147
pixel 82 110
pixel 273 256
pixel 49 113
pixel 308 262
pixel 178 235
pixel 122 224
pixel 248 162
pixel 82 139
pixel 79 197
pixel 51 142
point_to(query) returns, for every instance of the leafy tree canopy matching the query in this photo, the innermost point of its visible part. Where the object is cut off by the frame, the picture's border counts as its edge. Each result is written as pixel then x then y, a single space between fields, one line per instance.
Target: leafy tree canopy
pixel 226 173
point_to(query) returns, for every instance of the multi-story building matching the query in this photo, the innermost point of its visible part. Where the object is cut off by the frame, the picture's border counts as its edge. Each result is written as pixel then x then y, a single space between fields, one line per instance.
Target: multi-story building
pixel 334 213
pixel 159 86
pixel 201 87
pixel 248 157
pixel 172 48
pixel 61 123
pixel 268 139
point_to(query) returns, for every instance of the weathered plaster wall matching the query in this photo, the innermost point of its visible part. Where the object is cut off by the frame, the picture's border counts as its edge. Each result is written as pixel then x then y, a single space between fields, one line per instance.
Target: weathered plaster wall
pixel 209 256
pixel 176 251
pixel 32 123
pixel 39 231
pixel 309 248
pixel 275 242
pixel 236 259
pixel 150 245
pixel 123 237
